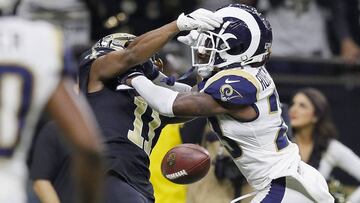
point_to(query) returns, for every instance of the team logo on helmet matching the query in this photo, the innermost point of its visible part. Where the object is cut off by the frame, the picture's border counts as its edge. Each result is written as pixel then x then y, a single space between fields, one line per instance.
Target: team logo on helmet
pixel 115 41
pixel 244 38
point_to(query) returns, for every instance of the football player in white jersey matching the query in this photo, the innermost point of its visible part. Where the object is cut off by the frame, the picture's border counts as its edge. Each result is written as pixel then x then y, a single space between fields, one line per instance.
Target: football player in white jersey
pixel 32 79
pixel 240 99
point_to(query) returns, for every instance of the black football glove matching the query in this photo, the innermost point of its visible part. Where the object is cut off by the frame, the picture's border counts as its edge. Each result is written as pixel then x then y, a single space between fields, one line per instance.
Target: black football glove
pixel 133 72
pixel 150 70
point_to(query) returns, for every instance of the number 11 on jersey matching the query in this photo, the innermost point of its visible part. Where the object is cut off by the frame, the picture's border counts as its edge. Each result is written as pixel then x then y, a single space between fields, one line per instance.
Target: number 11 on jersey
pixel 136 135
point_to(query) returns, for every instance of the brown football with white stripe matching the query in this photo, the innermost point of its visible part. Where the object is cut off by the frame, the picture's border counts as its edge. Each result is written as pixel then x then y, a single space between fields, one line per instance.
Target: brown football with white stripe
pixel 185 163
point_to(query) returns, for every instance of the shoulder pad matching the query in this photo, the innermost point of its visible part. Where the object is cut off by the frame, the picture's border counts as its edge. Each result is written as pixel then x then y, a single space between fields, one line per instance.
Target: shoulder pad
pixel 233 86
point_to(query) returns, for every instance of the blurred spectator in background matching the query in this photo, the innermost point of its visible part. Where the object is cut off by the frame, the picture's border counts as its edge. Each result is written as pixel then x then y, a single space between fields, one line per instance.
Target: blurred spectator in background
pixel 86 21
pixel 50 169
pixel 133 16
pixel 215 4
pixel 315 134
pixel 71 15
pixel 300 28
pixel 352 14
pixel 309 28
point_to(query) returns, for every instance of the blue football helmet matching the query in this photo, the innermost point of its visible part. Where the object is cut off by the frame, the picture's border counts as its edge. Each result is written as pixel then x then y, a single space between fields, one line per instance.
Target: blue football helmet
pixel 244 38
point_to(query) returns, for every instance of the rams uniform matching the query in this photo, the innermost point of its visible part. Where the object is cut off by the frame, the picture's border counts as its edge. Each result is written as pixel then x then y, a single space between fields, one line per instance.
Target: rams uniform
pixel 30 70
pixel 259 147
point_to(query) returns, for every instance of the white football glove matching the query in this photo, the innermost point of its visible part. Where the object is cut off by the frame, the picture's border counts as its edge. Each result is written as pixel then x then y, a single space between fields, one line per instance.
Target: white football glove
pixel 201 18
pixel 189 39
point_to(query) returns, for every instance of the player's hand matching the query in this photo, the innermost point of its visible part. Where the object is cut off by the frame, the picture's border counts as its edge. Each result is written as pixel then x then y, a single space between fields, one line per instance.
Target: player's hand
pixel 150 70
pixel 189 39
pixel 200 19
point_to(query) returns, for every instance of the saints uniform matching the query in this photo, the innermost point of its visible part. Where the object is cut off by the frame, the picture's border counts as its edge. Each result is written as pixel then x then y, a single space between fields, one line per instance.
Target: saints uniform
pixel 260 147
pixel 130 127
pixel 30 70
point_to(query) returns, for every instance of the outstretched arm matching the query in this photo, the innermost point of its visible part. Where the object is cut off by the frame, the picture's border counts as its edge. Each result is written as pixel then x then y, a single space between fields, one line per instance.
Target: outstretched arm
pixel 140 50
pixel 146 45
pixel 79 126
pixel 170 103
pixel 164 81
pixel 196 104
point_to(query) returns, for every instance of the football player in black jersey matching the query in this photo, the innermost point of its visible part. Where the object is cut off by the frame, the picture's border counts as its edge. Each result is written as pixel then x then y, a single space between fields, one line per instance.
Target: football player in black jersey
pixel 130 127
pixel 33 79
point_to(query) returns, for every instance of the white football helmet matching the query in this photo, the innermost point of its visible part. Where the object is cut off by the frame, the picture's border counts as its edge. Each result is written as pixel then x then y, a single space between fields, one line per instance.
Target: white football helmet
pixel 244 38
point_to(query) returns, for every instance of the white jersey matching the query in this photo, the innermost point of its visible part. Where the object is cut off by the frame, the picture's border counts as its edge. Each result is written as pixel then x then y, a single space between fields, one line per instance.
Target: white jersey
pixel 260 148
pixel 334 157
pixel 30 70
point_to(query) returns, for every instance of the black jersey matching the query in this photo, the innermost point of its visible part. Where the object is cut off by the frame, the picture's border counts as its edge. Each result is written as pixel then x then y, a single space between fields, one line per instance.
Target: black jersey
pixel 130 127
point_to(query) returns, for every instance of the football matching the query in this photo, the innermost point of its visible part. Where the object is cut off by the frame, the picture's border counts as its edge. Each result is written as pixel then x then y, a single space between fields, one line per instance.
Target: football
pixel 185 163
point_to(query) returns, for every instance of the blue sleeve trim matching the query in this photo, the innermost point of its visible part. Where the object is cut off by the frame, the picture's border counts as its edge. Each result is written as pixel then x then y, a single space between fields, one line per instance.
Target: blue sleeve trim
pixel 234 89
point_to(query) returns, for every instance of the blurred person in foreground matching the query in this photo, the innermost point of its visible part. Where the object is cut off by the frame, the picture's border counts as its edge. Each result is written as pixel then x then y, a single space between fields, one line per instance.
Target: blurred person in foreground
pixel 130 126
pixel 50 165
pixel 33 79
pixel 240 99
pixel 315 134
pixel 50 168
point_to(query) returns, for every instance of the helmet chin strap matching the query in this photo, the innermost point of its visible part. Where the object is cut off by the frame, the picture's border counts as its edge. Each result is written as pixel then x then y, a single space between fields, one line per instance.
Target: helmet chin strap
pixel 205 71
pixel 255 59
